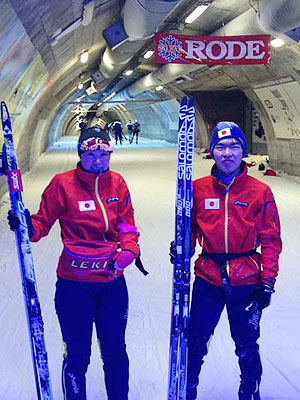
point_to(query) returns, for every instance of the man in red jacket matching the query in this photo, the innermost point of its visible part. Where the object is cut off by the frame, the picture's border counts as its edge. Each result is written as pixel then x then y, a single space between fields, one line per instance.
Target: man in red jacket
pixel 94 210
pixel 234 215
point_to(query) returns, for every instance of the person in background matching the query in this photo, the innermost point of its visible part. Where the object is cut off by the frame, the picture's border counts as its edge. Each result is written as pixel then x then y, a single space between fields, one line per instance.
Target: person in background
pixel 106 127
pixel 136 131
pixel 118 131
pixel 233 216
pixel 110 128
pixel 94 209
pixel 129 126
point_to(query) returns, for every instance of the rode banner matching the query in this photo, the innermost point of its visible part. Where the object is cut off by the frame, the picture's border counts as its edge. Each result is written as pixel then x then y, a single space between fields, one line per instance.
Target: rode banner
pixel 171 48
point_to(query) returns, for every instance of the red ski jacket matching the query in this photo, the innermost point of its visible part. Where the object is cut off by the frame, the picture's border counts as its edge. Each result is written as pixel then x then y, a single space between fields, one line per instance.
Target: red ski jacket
pixel 88 208
pixel 235 219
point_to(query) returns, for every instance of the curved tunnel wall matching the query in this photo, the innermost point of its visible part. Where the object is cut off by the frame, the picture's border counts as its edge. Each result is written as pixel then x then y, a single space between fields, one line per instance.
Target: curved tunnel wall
pixel 34 100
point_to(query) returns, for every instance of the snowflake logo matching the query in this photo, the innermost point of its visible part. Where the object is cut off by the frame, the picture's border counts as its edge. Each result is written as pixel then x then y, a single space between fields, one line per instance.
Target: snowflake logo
pixel 169 48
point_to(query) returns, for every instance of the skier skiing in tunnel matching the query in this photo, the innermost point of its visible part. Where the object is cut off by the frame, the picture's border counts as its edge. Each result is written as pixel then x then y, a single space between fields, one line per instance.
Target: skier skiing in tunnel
pixel 233 215
pixel 94 209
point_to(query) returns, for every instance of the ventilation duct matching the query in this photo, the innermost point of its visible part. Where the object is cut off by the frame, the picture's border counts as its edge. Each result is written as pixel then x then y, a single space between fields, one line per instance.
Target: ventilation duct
pixel 147 16
pixel 140 19
pixel 279 16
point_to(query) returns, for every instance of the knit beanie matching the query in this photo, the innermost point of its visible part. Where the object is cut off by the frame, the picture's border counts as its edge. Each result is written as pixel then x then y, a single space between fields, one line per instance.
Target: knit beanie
pixel 227 130
pixel 95 137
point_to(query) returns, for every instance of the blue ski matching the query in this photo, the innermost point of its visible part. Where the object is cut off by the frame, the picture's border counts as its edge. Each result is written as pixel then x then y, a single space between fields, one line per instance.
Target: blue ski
pixel 181 282
pixel 32 304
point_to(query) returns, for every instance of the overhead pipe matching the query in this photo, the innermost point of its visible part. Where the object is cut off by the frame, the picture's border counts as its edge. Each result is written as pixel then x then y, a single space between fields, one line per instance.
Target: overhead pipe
pixel 279 16
pixel 140 20
pixel 273 17
pixel 147 16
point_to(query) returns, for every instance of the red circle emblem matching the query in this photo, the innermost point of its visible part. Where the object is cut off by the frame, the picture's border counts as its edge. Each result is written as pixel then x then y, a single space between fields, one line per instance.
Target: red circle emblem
pixel 87 205
pixel 212 203
pixel 223 133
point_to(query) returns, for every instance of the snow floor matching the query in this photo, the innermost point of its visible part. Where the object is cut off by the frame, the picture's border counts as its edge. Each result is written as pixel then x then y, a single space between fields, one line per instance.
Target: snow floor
pixel 149 170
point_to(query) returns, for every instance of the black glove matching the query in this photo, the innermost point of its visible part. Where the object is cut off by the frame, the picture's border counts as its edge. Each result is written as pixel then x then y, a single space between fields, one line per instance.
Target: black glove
pixel 14 222
pixel 173 252
pixel 261 298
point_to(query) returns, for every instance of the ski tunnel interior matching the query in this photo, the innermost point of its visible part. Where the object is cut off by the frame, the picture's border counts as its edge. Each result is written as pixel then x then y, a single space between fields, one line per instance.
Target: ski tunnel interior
pixel 49 91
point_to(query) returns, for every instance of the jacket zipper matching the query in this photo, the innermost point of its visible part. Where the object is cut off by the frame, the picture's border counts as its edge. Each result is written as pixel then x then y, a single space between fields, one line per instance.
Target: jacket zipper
pixel 104 216
pixel 102 208
pixel 226 223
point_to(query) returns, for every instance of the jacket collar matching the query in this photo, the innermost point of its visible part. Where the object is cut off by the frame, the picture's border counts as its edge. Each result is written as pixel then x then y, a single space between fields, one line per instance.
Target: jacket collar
pixel 239 179
pixel 87 178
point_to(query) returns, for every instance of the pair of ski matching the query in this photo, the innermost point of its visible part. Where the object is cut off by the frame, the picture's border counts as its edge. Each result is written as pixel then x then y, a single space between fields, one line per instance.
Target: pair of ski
pixel 181 283
pixel 32 304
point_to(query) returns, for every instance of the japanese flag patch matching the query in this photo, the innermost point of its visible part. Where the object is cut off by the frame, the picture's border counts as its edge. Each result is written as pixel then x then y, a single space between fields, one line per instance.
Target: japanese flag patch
pixel 224 132
pixel 212 204
pixel 87 205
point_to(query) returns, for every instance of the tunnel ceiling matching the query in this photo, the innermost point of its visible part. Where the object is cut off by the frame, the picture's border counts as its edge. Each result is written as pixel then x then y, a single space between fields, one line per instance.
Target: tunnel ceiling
pixel 44 20
pixel 42 40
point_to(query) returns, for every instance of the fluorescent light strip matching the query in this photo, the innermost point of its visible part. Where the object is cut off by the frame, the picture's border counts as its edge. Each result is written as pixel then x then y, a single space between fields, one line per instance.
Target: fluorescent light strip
pixel 277 42
pixel 148 54
pixel 109 97
pixel 195 14
pixel 84 57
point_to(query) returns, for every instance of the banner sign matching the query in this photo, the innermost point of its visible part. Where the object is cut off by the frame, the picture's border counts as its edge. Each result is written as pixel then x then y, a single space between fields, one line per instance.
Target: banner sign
pixel 211 50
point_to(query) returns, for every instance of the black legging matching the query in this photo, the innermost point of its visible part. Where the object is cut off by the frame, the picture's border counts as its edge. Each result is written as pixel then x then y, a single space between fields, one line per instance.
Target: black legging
pixel 78 305
pixel 208 302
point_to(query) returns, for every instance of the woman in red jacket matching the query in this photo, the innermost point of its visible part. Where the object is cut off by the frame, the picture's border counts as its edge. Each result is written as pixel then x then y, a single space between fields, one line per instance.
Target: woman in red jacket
pixel 93 207
pixel 233 215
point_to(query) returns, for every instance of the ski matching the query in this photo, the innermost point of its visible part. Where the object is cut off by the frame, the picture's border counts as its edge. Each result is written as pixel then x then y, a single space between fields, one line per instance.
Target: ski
pixel 32 304
pixel 181 276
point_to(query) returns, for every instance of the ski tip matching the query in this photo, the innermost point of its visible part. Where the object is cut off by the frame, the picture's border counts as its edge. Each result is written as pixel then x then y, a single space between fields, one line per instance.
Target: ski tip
pixel 183 101
pixel 191 102
pixel 4 111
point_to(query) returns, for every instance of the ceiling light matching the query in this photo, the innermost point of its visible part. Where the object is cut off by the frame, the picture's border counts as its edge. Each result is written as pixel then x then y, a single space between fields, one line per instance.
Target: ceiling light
pixel 129 72
pixel 84 57
pixel 109 97
pixel 158 88
pixel 195 14
pixel 80 86
pixel 99 104
pixel 148 54
pixel 277 42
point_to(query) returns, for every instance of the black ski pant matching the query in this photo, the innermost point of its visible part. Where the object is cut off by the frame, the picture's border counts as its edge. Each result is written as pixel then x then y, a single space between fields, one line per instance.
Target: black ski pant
pixel 136 136
pixel 208 302
pixel 79 305
pixel 118 136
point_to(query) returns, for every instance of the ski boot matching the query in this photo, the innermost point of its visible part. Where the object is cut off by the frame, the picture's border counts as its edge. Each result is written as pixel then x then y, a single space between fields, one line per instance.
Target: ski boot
pixel 191 392
pixel 245 393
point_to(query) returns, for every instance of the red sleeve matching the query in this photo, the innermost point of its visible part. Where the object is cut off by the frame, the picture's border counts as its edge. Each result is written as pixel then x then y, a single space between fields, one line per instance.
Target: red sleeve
pixel 128 238
pixel 268 226
pixel 50 207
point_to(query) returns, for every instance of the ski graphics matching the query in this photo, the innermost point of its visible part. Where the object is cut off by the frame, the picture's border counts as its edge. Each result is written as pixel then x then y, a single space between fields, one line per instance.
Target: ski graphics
pixel 32 304
pixel 181 277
